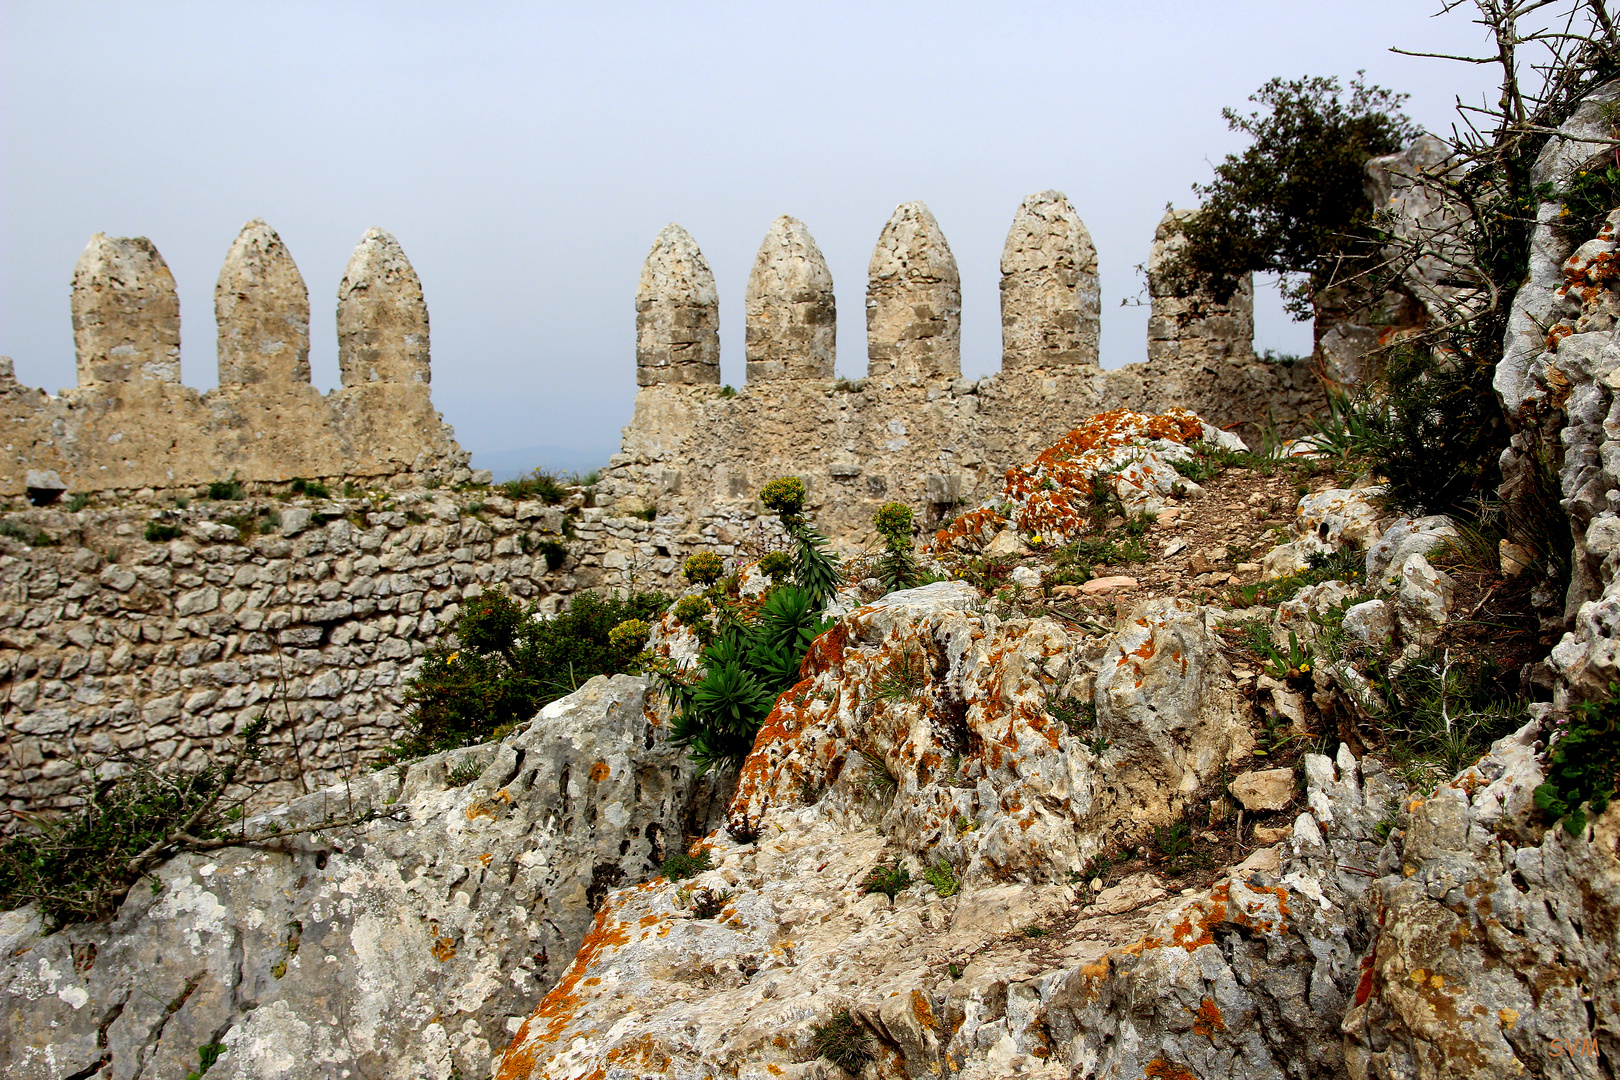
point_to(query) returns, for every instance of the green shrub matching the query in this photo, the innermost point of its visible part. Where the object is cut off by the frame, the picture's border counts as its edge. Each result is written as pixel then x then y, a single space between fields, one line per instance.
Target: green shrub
pixel 158 532
pixel 1588 196
pixel 1584 766
pixel 942 878
pixel 815 565
pixel 542 484
pixel 25 533
pixel 79 866
pixel 897 568
pixel 841 1041
pixel 728 391
pixel 313 488
pixel 226 490
pixel 891 881
pixel 1292 202
pixel 703 568
pixel 206 1057
pixel 555 554
pixel 510 663
pixel 690 609
pixel 776 565
pixel 78 502
pixel 682 865
pixel 747 665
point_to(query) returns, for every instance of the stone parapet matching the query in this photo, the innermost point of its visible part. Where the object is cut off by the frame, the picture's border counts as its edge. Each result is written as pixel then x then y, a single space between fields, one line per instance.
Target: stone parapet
pixel 131 423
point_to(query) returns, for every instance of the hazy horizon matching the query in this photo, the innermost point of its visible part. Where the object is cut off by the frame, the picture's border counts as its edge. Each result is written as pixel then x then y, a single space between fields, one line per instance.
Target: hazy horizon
pixel 526 156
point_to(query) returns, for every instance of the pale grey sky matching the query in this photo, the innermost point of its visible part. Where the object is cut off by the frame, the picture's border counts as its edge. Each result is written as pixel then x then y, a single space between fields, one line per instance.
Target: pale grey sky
pixel 526 155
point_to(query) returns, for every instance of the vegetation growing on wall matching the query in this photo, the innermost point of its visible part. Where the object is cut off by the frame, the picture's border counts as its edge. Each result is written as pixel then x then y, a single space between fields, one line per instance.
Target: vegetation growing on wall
pixel 510 661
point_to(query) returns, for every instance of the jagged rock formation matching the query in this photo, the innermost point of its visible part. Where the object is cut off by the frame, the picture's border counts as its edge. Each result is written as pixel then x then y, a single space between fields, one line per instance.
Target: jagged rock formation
pixel 913 301
pixel 677 314
pixel 409 946
pixel 131 425
pixel 792 316
pixel 1049 292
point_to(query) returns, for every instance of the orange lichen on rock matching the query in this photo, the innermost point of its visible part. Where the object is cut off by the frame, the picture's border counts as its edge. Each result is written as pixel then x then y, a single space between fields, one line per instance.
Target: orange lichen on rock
pixel 1160 1069
pixel 922 1010
pixel 558 1008
pixel 1053 495
pixel 600 771
pixel 1208 1020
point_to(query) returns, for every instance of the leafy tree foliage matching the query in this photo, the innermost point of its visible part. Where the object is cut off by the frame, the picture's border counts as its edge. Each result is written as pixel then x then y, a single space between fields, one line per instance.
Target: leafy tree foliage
pixel 1292 203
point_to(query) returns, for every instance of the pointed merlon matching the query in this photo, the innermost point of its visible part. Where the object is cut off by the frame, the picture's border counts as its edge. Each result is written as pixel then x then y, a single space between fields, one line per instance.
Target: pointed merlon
pixel 126 313
pixel 677 314
pixel 1192 331
pixel 792 319
pixel 262 308
pixel 382 320
pixel 1049 294
pixel 913 300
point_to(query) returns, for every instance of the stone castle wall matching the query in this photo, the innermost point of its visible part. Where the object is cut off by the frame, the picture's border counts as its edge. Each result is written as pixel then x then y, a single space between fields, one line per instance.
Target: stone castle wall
pixel 316 612
pixel 311 612
pixel 913 429
pixel 130 424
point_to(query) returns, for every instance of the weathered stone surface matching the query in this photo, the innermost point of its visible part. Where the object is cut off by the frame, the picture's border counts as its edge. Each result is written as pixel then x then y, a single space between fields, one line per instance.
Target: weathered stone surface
pixel 382 319
pixel 262 307
pixel 677 314
pixel 1193 331
pixel 792 329
pixel 1403 538
pixel 1370 621
pixel 1249 978
pixel 1049 293
pixel 1265 789
pixel 913 301
pixel 1422 601
pixel 126 313
pixel 404 947
pixel 1498 953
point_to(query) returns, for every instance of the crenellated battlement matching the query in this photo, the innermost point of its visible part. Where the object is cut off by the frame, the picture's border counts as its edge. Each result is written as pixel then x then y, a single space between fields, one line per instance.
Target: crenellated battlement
pixel 131 423
pixel 913 429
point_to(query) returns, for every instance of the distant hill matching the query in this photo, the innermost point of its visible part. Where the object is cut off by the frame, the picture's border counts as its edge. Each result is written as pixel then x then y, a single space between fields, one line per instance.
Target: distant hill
pixel 511 464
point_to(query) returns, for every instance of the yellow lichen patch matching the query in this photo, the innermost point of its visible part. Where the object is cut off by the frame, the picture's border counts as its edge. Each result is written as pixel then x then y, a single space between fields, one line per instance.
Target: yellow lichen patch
pixel 600 771
pixel 922 1010
pixel 1507 1017
pixel 444 949
pixel 1160 1069
pixel 486 858
pixel 1208 1019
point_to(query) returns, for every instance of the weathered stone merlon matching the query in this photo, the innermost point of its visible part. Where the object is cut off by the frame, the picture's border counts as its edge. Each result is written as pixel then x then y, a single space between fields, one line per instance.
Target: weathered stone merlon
pixel 913 300
pixel 126 313
pixel 677 314
pixel 262 307
pixel 1049 293
pixel 382 319
pixel 1193 331
pixel 791 315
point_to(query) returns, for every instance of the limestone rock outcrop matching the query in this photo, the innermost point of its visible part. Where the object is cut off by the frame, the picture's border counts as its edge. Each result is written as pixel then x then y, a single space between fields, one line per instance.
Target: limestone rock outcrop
pixel 1050 298
pixel 677 314
pixel 913 301
pixel 791 313
pixel 409 946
